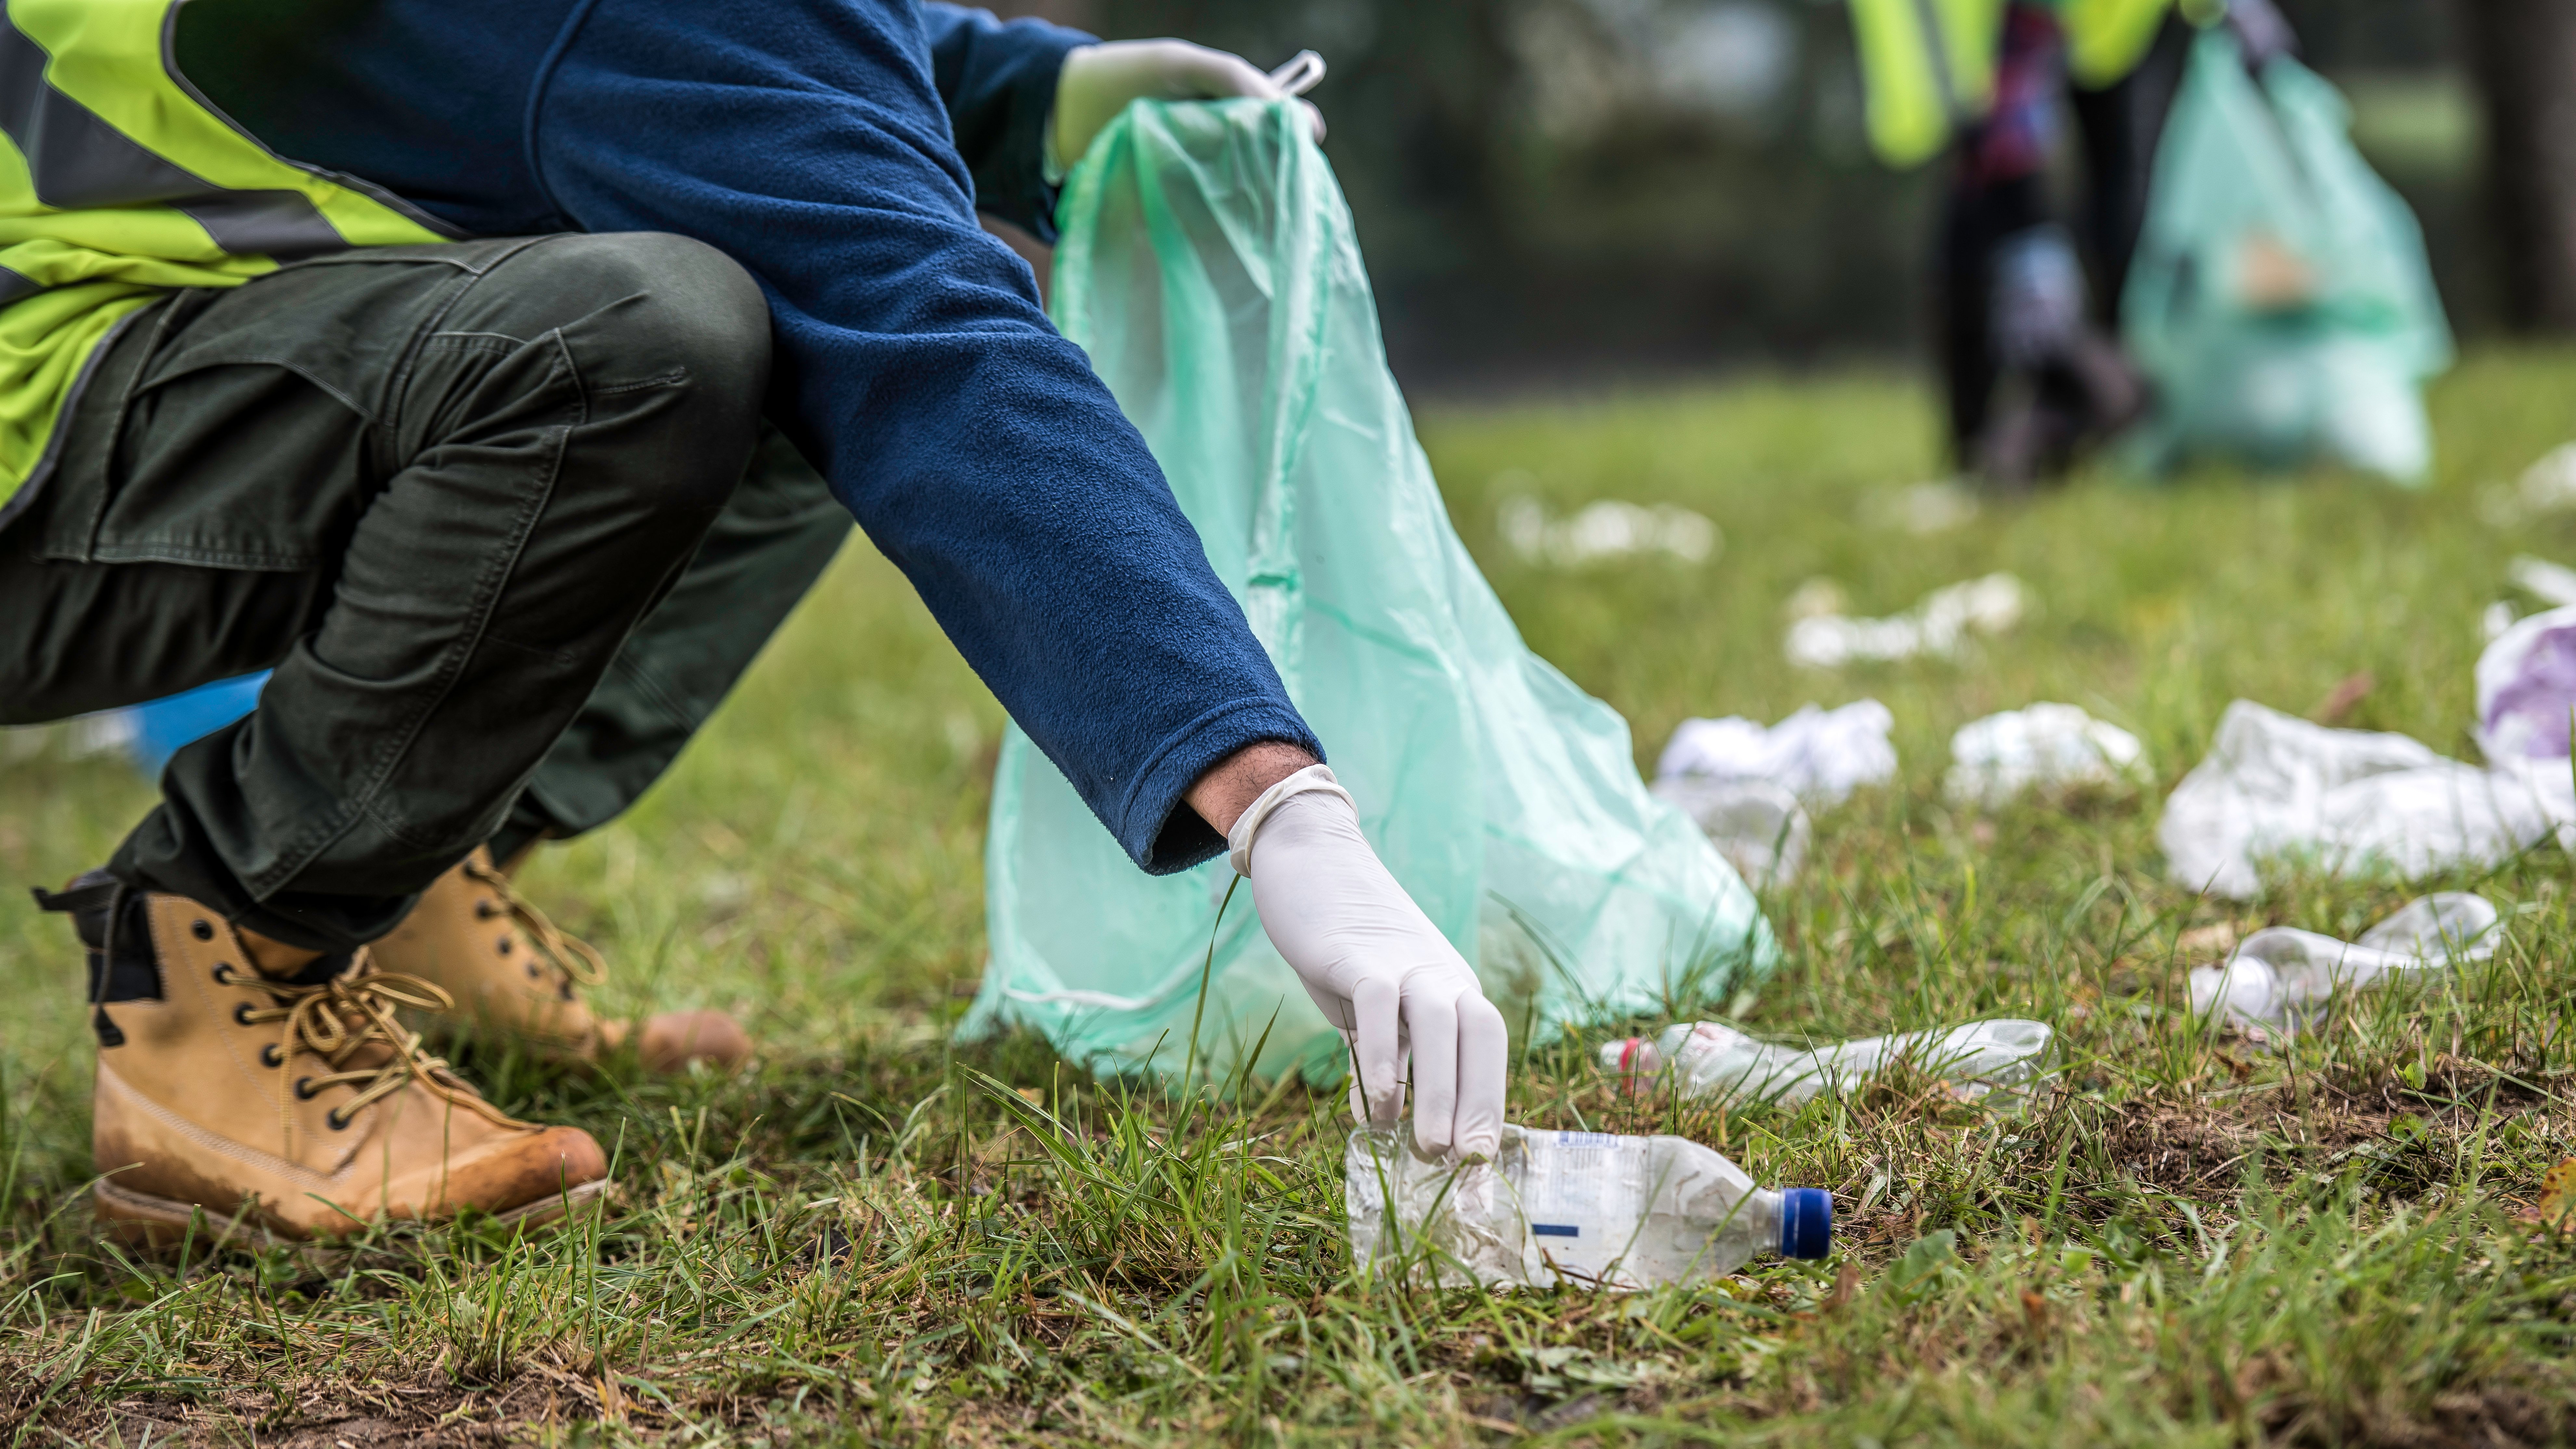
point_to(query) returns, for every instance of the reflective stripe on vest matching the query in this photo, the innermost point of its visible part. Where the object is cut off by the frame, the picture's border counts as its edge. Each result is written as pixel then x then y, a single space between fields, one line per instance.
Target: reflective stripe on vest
pixel 118 183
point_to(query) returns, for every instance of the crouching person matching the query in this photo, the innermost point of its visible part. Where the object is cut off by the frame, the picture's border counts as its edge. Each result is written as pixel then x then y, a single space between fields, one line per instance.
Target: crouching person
pixel 500 373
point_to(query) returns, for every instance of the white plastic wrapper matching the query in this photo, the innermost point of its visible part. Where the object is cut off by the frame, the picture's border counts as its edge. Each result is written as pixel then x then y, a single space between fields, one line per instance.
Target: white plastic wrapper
pixel 1711 1059
pixel 1581 1208
pixel 2047 746
pixel 1608 529
pixel 2527 686
pixel 1940 625
pixel 2281 978
pixel 2351 802
pixel 1819 755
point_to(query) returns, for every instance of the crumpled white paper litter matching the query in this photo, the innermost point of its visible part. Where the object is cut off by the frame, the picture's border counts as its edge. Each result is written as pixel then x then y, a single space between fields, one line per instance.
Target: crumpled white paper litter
pixel 2350 802
pixel 1820 755
pixel 1940 625
pixel 2046 746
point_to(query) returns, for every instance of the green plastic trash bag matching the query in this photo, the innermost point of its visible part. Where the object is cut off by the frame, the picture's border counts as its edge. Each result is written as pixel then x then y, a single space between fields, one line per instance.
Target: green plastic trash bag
pixel 2280 302
pixel 1209 266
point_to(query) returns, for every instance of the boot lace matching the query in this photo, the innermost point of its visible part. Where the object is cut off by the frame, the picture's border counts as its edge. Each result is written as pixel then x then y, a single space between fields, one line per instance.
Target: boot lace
pixel 339 1019
pixel 575 961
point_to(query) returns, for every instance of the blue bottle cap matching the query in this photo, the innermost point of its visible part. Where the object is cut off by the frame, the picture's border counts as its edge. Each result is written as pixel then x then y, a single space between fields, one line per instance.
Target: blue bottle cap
pixel 1806 1222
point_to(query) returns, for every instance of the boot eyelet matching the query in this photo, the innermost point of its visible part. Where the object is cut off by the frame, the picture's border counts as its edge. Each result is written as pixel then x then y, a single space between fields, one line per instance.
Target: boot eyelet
pixel 505 945
pixel 533 972
pixel 485 910
pixel 304 1089
pixel 338 1122
pixel 202 930
pixel 268 1056
pixel 223 974
pixel 241 1013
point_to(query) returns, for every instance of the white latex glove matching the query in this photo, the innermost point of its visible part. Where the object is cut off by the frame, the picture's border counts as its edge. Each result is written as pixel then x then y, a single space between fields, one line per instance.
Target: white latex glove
pixel 1098 81
pixel 1376 965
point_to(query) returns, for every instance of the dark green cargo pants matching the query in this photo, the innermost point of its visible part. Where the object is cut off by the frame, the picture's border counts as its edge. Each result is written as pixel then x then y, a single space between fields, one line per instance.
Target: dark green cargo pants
pixel 493 513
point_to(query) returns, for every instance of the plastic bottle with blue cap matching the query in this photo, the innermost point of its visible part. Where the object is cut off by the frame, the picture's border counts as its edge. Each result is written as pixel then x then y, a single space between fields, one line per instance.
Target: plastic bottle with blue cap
pixel 1585 1209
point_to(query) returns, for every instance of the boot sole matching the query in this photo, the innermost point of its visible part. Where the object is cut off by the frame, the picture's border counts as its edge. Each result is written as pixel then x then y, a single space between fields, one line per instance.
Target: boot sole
pixel 142 1220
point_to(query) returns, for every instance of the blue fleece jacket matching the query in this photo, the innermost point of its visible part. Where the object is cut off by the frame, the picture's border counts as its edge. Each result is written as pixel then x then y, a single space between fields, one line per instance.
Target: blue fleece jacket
pixel 838 149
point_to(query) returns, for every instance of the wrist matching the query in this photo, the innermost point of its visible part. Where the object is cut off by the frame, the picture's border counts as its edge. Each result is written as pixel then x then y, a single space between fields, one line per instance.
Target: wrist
pixel 1312 780
pixel 1231 785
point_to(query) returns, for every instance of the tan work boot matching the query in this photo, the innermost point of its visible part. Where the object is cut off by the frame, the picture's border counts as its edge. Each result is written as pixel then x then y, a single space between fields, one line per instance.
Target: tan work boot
pixel 512 971
pixel 299 1107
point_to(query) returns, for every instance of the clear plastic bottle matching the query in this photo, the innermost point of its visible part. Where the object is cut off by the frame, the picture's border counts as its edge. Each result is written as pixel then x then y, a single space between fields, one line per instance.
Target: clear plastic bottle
pixel 2282 978
pixel 1580 1208
pixel 1706 1058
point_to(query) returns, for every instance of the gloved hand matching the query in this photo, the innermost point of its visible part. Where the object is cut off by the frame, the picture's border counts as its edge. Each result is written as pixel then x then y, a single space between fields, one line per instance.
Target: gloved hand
pixel 1098 81
pixel 1376 965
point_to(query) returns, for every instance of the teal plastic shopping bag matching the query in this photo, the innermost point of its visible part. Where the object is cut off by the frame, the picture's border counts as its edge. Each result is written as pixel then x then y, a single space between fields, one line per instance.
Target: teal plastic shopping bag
pixel 1209 266
pixel 2280 302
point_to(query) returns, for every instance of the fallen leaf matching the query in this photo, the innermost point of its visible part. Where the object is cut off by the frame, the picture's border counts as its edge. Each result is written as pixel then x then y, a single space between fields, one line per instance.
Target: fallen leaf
pixel 2557 1206
pixel 2348 692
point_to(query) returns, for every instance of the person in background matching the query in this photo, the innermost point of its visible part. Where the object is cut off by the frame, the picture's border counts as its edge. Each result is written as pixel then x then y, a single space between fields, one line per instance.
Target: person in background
pixel 499 374
pixel 2026 305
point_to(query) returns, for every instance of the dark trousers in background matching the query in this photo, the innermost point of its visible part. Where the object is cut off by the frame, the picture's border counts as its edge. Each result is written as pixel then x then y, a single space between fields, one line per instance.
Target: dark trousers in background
pixel 501 515
pixel 1998 190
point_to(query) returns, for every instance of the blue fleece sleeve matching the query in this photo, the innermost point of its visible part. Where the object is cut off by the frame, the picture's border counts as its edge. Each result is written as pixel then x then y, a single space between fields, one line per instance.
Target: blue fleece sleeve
pixel 998 83
pixel 914 367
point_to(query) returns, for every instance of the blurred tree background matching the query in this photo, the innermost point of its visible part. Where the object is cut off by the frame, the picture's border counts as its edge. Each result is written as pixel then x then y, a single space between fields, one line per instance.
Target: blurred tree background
pixel 1578 189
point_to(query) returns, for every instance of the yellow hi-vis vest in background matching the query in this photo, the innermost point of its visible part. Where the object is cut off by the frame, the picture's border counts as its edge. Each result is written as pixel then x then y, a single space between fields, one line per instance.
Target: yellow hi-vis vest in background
pixel 118 183
pixel 1928 66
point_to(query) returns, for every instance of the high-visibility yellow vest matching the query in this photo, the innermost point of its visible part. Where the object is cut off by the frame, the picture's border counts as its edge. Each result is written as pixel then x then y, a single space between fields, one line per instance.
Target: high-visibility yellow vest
pixel 2105 39
pixel 118 183
pixel 1929 65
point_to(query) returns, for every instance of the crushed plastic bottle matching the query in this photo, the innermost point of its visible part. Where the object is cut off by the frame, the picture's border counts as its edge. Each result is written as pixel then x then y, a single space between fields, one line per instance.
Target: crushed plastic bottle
pixel 1584 1209
pixel 1707 1058
pixel 2282 978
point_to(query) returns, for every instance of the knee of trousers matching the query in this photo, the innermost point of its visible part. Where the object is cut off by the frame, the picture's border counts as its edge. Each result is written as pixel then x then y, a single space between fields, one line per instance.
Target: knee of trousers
pixel 671 338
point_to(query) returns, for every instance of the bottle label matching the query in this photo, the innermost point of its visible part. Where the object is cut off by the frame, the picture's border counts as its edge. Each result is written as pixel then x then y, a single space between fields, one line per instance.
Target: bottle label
pixel 1581 1194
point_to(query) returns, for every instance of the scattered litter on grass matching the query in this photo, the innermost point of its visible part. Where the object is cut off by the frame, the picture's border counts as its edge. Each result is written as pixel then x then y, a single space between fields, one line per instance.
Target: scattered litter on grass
pixel 1758 825
pixel 1820 755
pixel 2547 486
pixel 1607 529
pixel 1748 787
pixel 2526 686
pixel 1711 1059
pixel 2554 583
pixel 2047 746
pixel 1582 1209
pixel 2280 979
pixel 2350 802
pixel 1940 625
pixel 2355 803
pixel 1923 509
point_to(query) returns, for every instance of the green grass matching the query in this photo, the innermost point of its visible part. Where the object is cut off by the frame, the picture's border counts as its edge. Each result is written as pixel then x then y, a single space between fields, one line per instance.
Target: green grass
pixel 2200 1241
